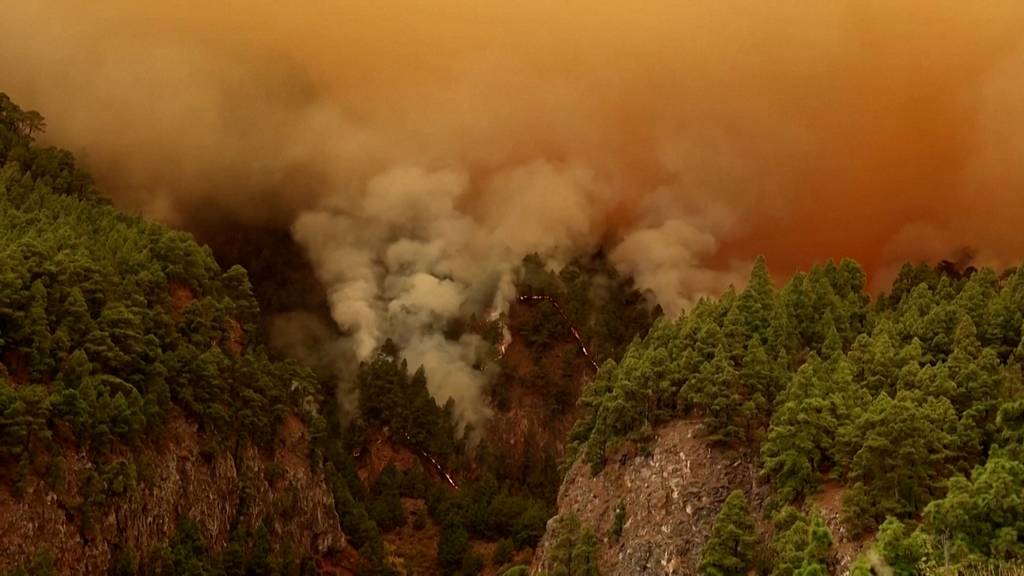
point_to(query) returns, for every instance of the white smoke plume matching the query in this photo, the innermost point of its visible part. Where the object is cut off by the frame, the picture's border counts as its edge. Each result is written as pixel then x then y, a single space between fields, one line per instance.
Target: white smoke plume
pixel 415 249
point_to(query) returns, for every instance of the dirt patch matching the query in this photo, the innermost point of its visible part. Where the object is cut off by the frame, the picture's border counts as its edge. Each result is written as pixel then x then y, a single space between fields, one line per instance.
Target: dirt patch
pixel 16 365
pixel 295 440
pixel 829 501
pixel 414 551
pixel 379 452
pixel 236 341
pixel 181 296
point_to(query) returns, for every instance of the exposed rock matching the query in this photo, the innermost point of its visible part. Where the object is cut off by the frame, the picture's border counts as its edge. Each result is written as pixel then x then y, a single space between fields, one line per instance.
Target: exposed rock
pixel 671 497
pixel 176 481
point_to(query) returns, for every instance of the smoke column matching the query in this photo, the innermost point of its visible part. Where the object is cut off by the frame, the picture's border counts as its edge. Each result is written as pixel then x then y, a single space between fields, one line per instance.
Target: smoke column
pixel 418 150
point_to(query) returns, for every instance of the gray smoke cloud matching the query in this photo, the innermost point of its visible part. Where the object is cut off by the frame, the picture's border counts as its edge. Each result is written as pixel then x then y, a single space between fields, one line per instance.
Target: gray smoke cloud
pixel 414 249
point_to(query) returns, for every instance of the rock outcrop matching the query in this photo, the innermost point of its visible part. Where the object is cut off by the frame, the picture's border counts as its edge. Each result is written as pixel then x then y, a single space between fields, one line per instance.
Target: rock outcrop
pixel 175 481
pixel 670 497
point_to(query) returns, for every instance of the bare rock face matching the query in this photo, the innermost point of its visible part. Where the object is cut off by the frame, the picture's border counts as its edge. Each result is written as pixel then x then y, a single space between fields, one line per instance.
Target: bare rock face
pixel 175 482
pixel 670 497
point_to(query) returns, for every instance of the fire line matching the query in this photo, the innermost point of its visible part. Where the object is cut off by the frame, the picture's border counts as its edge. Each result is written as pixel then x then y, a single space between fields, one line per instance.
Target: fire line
pixel 572 328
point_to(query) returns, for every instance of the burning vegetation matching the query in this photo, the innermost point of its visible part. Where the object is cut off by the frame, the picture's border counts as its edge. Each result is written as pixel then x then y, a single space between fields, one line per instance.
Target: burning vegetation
pixel 577 168
pixel 575 332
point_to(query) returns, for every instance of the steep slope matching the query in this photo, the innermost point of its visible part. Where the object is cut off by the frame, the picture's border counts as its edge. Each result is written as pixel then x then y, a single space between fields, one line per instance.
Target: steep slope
pixel 506 482
pixel 863 419
pixel 664 502
pixel 222 493
pixel 556 333
pixel 535 395
pixel 143 423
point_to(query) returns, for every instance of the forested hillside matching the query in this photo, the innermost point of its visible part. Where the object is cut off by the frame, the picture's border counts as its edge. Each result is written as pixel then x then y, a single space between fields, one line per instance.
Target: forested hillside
pixel 912 402
pixel 110 327
pixel 107 321
pixel 118 337
pixel 145 426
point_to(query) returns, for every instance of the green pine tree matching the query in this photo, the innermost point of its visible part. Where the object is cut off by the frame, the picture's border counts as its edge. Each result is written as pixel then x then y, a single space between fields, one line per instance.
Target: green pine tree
pixel 729 550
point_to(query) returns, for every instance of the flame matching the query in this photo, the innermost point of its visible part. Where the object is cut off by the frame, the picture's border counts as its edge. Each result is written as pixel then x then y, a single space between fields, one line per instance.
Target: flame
pixel 572 328
pixel 495 315
pixel 437 465
pixel 439 469
pixel 506 340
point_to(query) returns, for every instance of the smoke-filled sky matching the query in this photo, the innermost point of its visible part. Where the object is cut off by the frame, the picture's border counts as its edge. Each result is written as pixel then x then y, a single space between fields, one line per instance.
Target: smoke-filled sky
pixel 418 148
pixel 802 130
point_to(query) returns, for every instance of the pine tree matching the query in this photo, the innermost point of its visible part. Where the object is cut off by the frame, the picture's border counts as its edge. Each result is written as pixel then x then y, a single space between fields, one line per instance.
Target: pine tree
pixel 239 290
pixel 574 549
pixel 37 337
pixel 898 430
pixel 756 302
pixel 762 379
pixel 833 345
pixel 983 515
pixel 803 430
pixel 77 322
pixel 715 392
pixel 783 340
pixel 880 367
pixel 584 555
pixel 729 550
pixel 452 547
pixel 800 544
pixel 736 332
pixel 975 296
pixel 966 338
pixel 901 551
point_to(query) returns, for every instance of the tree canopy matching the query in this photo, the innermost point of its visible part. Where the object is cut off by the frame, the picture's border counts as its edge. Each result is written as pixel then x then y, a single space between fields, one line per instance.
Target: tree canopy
pixel 896 398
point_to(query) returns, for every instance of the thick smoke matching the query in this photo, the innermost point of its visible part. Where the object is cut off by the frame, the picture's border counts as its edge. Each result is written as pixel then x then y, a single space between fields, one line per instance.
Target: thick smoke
pixel 413 250
pixel 418 150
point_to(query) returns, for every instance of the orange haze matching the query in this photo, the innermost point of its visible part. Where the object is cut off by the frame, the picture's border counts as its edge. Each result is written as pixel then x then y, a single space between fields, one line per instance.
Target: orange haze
pixel 879 130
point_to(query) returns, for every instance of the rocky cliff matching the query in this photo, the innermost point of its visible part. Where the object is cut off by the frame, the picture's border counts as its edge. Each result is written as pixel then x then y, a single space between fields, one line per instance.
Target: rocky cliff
pixel 668 498
pixel 652 508
pixel 178 478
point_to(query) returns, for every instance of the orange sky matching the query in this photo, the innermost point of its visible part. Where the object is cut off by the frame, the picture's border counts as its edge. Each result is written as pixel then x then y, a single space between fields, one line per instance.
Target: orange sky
pixel 880 130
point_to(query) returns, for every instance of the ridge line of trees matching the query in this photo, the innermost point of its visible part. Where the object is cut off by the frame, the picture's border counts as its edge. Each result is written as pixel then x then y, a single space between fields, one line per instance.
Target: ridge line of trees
pixel 899 399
